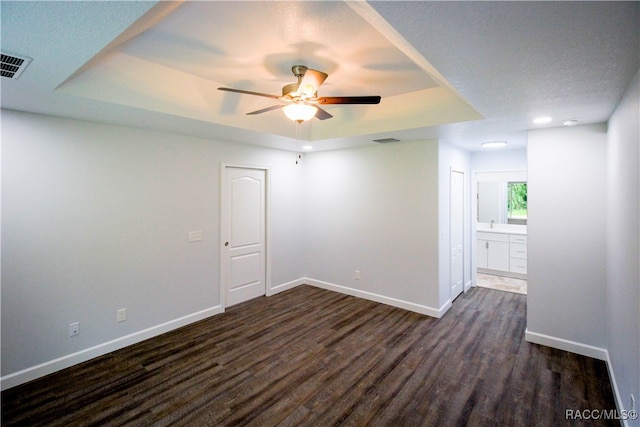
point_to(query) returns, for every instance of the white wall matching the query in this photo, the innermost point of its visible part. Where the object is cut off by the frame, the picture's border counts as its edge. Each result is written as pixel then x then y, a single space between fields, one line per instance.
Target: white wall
pixel 499 160
pixel 566 243
pixel 95 218
pixel 623 246
pixel 451 157
pixel 375 210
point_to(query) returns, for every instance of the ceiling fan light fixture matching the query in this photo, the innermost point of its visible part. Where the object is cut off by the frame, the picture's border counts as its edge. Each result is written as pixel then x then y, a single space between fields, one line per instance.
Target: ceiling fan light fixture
pixel 299 112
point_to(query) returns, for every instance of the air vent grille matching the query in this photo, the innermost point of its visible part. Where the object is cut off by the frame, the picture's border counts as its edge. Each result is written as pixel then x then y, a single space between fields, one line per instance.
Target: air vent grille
pixel 385 140
pixel 12 66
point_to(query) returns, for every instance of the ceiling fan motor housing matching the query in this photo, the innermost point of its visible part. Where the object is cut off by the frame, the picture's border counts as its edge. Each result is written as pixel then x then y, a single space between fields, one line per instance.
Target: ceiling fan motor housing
pixel 299 71
pixel 289 89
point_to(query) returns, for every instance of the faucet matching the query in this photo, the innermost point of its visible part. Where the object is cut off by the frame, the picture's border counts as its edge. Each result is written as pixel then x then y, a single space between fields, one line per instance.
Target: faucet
pixel 491 223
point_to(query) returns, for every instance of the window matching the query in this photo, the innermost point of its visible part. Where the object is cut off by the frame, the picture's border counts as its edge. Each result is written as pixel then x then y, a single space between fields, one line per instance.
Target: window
pixel 517 200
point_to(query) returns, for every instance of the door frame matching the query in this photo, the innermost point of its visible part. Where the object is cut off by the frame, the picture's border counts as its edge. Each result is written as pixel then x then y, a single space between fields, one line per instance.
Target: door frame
pixel 224 238
pixel 464 206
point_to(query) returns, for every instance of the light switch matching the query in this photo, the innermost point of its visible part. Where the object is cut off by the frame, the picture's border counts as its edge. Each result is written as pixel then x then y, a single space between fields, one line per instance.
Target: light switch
pixel 195 236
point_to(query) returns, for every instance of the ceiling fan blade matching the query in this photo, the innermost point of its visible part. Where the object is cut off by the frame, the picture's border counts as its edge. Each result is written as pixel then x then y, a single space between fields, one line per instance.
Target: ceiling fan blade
pixel 248 92
pixel 264 110
pixel 311 81
pixel 322 114
pixel 349 100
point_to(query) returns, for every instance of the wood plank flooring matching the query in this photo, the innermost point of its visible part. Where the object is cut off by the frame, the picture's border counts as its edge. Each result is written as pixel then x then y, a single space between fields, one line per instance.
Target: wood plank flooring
pixel 311 357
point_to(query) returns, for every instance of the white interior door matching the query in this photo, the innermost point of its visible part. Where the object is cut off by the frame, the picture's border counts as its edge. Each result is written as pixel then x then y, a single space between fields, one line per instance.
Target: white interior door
pixel 456 225
pixel 244 234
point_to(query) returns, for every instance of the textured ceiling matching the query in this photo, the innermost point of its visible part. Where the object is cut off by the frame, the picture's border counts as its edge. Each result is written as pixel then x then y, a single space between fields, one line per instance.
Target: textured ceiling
pixel 515 61
pixel 463 72
pixel 176 65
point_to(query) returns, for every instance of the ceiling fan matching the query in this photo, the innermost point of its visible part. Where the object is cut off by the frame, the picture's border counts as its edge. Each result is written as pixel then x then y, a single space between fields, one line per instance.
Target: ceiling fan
pixel 300 100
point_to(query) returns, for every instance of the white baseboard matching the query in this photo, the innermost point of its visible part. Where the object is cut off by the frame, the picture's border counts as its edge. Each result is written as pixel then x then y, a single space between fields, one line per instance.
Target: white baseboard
pixel 49 367
pixel 285 286
pixel 583 350
pixel 467 286
pixel 616 392
pixel 422 309
pixel 562 344
pixel 34 372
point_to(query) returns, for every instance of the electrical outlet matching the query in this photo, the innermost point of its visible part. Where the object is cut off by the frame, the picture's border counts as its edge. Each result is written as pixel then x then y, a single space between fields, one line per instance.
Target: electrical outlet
pixel 121 315
pixel 357 274
pixel 74 329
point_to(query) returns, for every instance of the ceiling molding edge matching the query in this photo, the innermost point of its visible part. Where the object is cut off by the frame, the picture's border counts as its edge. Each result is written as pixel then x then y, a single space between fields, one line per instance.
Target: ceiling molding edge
pixel 370 15
pixel 155 14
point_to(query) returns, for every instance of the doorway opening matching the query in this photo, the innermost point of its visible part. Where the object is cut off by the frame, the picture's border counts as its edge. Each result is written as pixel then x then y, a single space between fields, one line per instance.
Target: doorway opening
pixel 501 231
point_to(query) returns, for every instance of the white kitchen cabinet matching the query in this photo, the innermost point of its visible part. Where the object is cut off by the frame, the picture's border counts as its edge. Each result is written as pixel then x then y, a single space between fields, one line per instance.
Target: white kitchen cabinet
pixel 518 254
pixel 501 253
pixel 482 253
pixel 493 251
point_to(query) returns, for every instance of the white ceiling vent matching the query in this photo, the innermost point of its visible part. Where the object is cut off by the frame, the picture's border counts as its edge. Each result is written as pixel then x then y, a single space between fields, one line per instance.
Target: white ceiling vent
pixel 385 140
pixel 13 66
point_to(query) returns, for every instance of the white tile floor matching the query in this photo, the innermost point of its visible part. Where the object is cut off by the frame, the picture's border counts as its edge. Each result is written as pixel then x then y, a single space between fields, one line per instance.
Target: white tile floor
pixel 501 283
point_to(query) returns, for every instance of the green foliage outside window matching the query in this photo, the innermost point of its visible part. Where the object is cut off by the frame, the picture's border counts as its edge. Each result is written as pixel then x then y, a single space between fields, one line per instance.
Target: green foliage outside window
pixel 517 201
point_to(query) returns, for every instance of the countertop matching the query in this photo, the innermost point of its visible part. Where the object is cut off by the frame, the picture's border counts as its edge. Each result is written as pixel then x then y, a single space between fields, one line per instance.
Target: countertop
pixel 503 228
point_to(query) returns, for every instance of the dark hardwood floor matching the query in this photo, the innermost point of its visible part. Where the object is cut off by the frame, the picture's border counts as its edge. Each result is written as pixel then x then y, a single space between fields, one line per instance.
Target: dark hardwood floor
pixel 318 358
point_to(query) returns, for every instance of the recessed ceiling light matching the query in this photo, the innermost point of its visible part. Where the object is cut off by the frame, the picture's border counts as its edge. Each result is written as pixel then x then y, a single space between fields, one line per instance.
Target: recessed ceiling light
pixel 493 144
pixel 571 122
pixel 541 120
pixel 307 147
